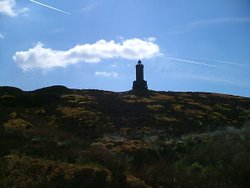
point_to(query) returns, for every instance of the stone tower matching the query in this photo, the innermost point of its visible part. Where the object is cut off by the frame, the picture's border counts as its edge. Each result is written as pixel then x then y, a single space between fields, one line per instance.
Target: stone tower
pixel 139 84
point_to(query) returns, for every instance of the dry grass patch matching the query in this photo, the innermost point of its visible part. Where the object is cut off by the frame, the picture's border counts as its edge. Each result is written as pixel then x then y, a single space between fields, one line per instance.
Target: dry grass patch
pixel 71 111
pixel 162 97
pixel 165 118
pixel 155 107
pixel 17 124
pixel 178 107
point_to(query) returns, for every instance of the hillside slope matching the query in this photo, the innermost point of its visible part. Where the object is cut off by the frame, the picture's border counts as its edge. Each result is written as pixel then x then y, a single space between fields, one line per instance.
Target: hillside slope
pixel 126 139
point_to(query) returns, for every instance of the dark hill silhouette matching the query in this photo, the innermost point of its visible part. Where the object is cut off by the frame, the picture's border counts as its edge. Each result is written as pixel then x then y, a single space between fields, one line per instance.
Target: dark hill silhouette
pixel 123 139
pixel 7 90
pixel 57 89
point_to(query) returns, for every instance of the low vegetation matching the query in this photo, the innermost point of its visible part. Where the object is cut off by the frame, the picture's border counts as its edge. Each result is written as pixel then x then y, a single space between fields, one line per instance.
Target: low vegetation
pixel 57 137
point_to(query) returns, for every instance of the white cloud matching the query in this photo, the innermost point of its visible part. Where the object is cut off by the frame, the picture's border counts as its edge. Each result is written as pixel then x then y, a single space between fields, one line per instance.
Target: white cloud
pixel 106 74
pixel 22 10
pixel 7 8
pixel 46 58
pixel 1 36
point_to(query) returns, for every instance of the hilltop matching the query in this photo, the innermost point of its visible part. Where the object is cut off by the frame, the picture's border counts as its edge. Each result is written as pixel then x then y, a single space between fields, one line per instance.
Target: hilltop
pixel 60 137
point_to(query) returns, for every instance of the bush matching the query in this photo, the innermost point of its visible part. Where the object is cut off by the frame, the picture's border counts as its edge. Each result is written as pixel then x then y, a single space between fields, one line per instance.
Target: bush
pixel 29 172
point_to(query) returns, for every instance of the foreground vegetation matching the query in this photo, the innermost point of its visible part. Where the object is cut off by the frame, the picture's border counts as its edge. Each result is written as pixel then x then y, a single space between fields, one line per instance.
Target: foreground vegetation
pixel 57 137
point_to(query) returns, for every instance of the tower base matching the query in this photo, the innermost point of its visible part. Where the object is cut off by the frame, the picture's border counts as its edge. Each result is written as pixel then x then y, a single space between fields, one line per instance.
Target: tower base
pixel 140 85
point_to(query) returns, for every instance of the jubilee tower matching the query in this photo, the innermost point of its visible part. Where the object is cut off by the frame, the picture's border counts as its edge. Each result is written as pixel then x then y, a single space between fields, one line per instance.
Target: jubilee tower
pixel 140 84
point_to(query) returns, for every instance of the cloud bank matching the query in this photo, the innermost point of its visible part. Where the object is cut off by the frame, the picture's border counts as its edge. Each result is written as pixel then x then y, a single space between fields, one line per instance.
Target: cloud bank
pixel 40 57
pixel 7 8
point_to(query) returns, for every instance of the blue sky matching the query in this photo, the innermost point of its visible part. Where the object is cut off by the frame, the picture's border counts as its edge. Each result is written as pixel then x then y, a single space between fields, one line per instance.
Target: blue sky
pixel 195 45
